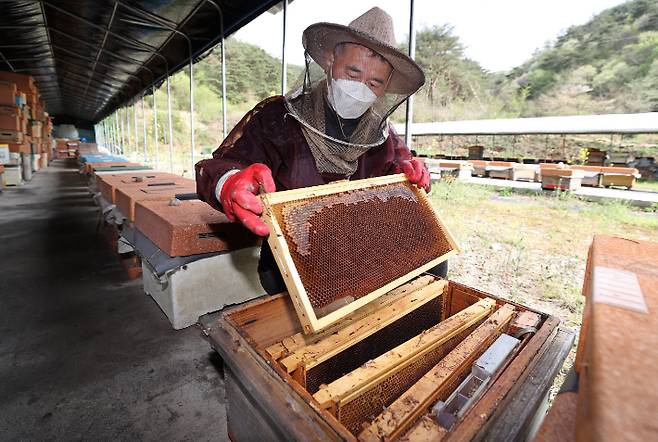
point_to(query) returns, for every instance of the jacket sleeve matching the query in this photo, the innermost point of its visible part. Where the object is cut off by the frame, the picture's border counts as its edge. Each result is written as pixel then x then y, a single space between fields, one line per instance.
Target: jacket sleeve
pixel 247 144
pixel 400 150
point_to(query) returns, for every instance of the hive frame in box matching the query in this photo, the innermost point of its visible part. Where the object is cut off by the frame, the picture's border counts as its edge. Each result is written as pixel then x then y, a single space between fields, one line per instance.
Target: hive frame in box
pixel 281 252
pixel 264 401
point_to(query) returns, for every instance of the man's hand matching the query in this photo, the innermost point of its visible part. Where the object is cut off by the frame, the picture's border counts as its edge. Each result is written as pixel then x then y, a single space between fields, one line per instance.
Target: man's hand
pixel 416 173
pixel 238 196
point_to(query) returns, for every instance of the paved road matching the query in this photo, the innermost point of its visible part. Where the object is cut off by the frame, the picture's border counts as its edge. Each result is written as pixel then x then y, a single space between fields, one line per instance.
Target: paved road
pixel 84 353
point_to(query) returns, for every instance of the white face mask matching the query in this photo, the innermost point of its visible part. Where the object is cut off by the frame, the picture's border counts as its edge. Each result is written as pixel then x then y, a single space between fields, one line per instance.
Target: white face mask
pixel 350 99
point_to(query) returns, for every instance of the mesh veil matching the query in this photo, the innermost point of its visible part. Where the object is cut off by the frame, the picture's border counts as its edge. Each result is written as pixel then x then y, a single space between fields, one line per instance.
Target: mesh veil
pixel 307 103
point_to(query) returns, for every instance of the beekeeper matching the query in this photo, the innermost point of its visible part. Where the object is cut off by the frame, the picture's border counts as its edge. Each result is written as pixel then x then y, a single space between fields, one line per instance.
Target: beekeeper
pixel 332 125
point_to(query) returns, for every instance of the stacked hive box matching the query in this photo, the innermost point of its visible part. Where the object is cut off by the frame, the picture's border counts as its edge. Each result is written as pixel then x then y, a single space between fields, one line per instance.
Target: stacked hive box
pixel 66 148
pixel 373 366
pixel 24 126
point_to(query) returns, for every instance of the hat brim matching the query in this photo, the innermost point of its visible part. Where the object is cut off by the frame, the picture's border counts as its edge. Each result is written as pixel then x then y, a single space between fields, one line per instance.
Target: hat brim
pixel 321 38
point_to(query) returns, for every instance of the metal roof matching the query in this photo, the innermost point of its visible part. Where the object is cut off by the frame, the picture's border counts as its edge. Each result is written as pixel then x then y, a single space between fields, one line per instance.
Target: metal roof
pixel 577 124
pixel 88 58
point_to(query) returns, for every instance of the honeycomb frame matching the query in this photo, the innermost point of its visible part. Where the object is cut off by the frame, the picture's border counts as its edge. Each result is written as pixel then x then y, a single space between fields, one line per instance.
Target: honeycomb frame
pixel 278 242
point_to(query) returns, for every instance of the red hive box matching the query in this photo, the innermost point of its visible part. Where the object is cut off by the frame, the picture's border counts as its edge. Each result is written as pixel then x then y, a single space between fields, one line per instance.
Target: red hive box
pixel 191 228
pixel 10 118
pixel 7 93
pixel 108 183
pixel 127 197
pixel 617 351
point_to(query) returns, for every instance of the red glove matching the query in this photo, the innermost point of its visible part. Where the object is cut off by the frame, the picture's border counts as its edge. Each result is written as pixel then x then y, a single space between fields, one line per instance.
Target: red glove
pixel 238 196
pixel 416 173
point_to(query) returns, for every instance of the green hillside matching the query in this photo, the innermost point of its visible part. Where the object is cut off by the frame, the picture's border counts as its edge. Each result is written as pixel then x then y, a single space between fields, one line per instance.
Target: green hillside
pixel 608 65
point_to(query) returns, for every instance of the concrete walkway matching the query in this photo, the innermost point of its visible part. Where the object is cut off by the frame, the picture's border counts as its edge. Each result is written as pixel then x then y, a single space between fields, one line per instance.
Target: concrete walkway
pixel 84 353
pixel 634 197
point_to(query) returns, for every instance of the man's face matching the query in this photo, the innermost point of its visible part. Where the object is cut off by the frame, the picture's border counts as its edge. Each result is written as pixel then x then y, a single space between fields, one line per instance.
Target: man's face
pixel 358 63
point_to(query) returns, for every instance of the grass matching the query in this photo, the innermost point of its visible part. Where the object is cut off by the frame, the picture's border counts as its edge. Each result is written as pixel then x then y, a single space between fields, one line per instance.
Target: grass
pixel 643 184
pixel 531 249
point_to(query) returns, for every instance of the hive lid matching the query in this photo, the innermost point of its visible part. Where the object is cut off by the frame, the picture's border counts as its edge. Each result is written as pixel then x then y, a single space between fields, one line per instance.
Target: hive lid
pixel 342 245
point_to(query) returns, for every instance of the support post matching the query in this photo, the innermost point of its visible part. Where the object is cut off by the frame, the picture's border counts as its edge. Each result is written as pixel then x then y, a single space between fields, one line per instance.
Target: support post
pixel 135 124
pixel 126 115
pixel 412 55
pixel 155 130
pixel 284 64
pixel 171 129
pixel 144 128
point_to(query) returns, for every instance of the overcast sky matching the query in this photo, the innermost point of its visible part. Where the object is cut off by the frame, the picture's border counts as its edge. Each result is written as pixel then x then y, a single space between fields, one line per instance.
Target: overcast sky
pixel 498 34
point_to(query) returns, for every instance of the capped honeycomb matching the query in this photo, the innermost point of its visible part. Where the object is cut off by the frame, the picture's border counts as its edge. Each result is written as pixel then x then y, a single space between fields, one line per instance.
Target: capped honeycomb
pixel 351 243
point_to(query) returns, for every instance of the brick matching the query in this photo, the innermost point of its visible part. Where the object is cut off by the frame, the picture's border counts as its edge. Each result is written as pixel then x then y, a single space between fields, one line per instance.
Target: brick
pixel 107 183
pixel 191 228
pixel 127 197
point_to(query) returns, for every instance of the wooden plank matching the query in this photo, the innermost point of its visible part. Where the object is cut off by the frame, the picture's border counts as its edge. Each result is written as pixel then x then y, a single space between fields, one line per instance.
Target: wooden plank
pixel 526 321
pixel 365 377
pixel 295 342
pixel 517 411
pixel 334 187
pixel 437 383
pixel 475 419
pixel 277 241
pixel 318 352
pixel 560 422
pixel 425 430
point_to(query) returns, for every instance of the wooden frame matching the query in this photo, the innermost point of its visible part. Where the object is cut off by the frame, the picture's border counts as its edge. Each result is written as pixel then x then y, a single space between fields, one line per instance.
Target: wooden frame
pixel 296 342
pixel 357 382
pixel 307 316
pixel 315 353
pixel 439 381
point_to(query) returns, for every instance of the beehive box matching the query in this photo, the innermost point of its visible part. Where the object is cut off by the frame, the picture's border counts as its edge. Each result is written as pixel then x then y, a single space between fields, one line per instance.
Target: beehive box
pixel 126 197
pixel 285 381
pixel 108 183
pixel 190 228
pixel 617 352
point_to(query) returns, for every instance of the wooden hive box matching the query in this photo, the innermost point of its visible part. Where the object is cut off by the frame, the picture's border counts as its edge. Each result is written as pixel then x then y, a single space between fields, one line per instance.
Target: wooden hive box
pixel 126 197
pixel 322 248
pixel 290 376
pixel 617 354
pixel 190 227
pixel 108 183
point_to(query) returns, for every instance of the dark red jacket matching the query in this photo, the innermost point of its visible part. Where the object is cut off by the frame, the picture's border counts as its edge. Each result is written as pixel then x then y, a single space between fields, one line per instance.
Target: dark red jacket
pixel 268 135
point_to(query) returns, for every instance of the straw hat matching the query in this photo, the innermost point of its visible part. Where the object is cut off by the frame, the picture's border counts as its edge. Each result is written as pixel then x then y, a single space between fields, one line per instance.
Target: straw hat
pixel 374 30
